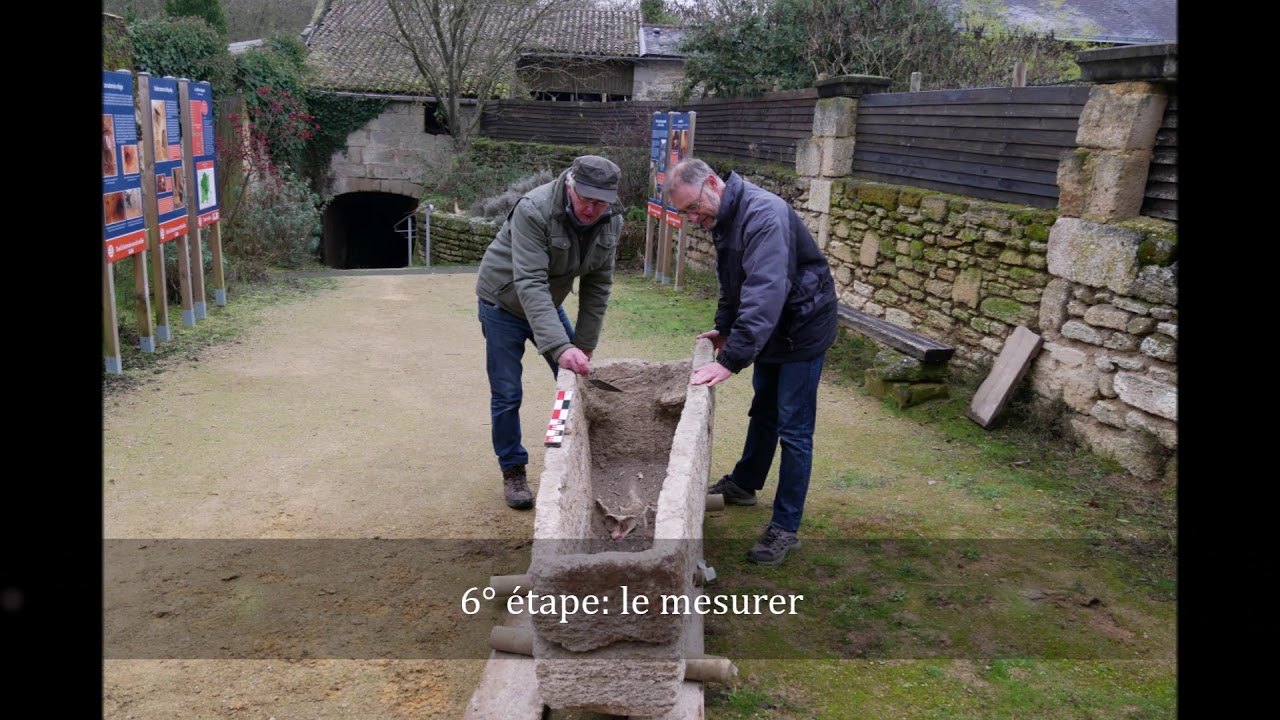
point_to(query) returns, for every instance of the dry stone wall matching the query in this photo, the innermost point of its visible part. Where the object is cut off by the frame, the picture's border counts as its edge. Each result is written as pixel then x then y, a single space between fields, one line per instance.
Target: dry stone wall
pixel 1094 278
pixel 459 239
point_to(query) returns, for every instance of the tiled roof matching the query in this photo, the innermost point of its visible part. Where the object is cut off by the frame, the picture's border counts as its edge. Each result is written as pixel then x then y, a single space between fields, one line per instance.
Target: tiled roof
pixel 353 47
pixel 662 40
pixel 601 33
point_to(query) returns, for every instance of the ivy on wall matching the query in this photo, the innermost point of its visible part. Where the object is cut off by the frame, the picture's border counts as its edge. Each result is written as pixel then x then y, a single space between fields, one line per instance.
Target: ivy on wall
pixel 338 116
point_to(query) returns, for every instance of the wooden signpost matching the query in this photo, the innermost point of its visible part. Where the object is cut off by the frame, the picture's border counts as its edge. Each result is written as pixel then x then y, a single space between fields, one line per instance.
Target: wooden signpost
pixel 158 185
pixel 124 231
pixel 671 140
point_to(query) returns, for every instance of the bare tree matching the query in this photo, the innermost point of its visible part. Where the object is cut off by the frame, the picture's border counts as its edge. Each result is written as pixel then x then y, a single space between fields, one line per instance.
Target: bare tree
pixel 876 37
pixel 468 48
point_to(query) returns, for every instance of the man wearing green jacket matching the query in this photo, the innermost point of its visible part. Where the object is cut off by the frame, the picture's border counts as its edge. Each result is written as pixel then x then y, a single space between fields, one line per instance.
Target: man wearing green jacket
pixel 565 229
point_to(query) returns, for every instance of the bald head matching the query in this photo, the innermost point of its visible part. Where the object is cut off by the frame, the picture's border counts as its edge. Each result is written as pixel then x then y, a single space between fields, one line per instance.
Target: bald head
pixel 689 172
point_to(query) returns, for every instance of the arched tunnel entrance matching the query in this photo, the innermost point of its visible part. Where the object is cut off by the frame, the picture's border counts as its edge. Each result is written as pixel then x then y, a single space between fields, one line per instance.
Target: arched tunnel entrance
pixel 360 230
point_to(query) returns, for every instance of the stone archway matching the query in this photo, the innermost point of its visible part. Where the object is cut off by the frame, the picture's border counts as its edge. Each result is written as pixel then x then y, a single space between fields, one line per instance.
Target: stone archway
pixel 360 230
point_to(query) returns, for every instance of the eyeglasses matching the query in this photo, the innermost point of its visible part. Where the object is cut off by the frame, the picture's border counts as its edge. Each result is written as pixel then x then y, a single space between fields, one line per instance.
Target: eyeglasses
pixel 591 203
pixel 695 208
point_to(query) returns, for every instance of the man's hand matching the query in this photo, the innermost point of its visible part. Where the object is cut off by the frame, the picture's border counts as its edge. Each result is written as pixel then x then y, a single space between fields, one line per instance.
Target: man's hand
pixel 575 360
pixel 710 374
pixel 717 341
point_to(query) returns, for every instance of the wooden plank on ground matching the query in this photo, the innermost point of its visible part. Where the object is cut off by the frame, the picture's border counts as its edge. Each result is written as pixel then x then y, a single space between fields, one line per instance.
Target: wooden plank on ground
pixel 1019 350
pixel 508 687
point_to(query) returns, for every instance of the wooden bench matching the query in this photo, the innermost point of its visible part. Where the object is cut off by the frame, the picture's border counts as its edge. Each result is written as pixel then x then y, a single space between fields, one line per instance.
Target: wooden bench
pixel 901 339
pixel 906 382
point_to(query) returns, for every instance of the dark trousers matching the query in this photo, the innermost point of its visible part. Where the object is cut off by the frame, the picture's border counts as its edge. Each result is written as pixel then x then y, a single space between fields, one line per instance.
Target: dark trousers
pixel 505 335
pixel 783 411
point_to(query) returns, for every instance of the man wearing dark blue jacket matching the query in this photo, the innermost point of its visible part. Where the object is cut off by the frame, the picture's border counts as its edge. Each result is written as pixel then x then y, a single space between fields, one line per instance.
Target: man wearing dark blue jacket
pixel 777 310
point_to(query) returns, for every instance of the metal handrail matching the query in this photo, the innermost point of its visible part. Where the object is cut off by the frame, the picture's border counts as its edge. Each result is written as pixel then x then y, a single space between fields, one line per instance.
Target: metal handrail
pixel 405 225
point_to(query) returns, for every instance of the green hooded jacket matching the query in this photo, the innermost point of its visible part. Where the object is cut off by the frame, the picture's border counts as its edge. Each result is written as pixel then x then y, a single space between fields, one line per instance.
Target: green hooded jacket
pixel 530 266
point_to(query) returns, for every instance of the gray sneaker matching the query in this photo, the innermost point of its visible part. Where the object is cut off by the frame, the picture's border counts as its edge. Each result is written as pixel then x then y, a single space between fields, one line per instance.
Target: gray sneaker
pixel 773 546
pixel 515 486
pixel 733 493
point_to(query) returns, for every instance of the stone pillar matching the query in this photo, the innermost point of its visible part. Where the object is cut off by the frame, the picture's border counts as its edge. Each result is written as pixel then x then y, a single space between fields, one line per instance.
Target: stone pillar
pixel 1114 273
pixel 1105 178
pixel 829 153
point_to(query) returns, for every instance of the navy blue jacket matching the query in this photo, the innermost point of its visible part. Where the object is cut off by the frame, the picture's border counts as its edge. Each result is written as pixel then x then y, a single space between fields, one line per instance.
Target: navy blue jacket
pixel 777 297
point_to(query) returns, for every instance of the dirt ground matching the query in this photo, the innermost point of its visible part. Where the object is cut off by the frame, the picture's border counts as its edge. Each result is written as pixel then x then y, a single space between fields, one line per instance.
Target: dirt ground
pixel 351 416
pixel 265 476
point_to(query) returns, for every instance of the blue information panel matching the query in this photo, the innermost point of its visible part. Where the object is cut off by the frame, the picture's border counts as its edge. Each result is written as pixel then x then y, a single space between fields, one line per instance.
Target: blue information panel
pixel 126 228
pixel 204 152
pixel 170 178
pixel 677 150
pixel 657 162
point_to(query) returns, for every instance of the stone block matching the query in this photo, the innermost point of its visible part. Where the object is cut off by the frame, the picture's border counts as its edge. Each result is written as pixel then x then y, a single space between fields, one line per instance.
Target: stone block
pixel 1099 256
pixel 1148 395
pixel 1160 347
pixel 837 156
pixel 835 117
pixel 1118 182
pixel 1122 116
pixel 820 196
pixel 809 157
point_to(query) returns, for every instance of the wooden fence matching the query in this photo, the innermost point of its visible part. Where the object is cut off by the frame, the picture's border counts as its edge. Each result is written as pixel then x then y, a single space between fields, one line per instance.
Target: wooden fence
pixel 1161 198
pixel 999 144
pixel 569 123
pixel 757 128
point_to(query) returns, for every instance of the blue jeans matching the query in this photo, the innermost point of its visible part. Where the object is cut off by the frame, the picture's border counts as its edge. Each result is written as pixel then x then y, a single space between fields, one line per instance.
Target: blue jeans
pixel 505 335
pixel 783 409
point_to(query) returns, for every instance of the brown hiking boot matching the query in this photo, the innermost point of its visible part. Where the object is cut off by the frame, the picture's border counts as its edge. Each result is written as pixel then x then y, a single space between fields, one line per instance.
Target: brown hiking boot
pixel 516 487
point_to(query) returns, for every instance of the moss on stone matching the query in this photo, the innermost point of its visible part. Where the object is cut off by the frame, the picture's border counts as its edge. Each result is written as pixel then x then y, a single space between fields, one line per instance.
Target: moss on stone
pixel 1035 217
pixel 1153 228
pixel 934 208
pixel 1010 312
pixel 1028 276
pixel 886 296
pixel 880 195
pixel 1011 257
pixel 911 196
pixel 994 221
pixel 917 249
pixel 1036 232
pixel 1157 252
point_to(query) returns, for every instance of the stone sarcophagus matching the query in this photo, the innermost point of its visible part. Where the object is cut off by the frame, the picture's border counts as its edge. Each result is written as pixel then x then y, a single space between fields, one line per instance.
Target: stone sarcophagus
pixel 618 528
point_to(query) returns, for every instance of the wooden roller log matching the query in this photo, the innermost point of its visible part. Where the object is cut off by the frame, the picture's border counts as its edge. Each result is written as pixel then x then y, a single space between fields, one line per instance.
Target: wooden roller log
pixel 507 584
pixel 710 668
pixel 518 641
